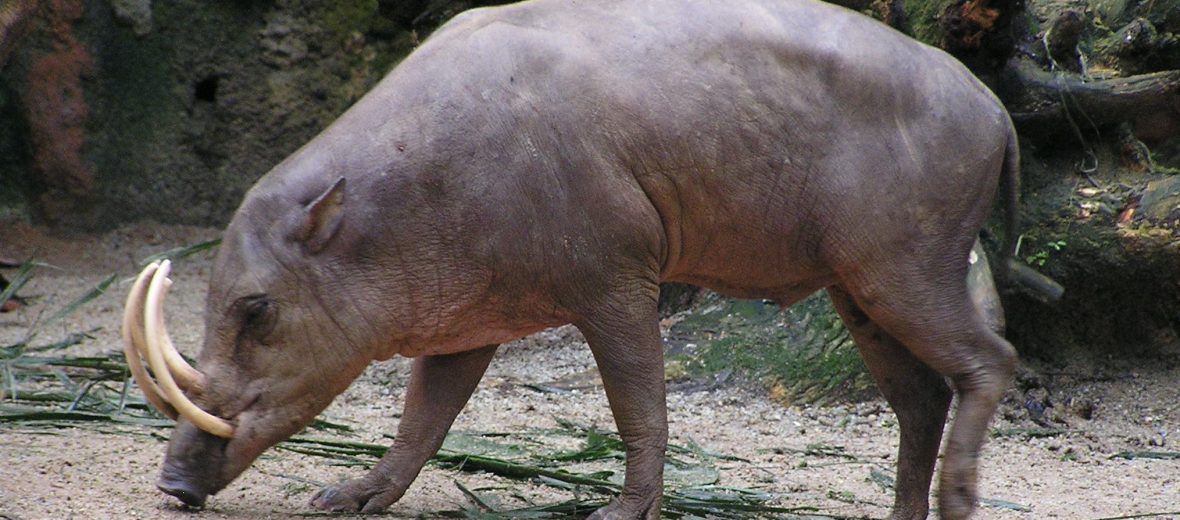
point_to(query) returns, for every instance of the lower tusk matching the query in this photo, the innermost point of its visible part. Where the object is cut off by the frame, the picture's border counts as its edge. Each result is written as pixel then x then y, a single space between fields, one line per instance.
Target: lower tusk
pixel 157 343
pixel 133 344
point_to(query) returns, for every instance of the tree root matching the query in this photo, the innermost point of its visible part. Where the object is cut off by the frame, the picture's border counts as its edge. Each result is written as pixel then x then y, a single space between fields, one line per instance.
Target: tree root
pixel 1048 105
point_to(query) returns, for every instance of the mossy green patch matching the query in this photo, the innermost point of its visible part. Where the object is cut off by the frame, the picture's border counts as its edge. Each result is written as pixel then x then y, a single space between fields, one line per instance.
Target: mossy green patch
pixel 349 16
pixel 1164 14
pixel 923 17
pixel 803 353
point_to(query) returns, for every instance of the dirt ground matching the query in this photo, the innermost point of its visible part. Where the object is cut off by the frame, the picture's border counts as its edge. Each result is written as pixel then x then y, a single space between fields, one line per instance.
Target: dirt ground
pixel 109 471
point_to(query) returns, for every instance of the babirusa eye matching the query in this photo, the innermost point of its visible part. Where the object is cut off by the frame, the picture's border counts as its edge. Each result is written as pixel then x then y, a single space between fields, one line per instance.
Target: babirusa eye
pixel 259 314
pixel 257 310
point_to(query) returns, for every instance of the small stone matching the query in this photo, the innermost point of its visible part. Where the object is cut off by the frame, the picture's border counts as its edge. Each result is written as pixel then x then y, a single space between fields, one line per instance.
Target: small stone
pixel 1161 200
pixel 135 13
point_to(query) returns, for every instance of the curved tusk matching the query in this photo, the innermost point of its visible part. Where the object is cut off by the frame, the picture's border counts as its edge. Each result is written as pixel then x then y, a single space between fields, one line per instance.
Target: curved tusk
pixel 155 334
pixel 187 377
pixel 133 344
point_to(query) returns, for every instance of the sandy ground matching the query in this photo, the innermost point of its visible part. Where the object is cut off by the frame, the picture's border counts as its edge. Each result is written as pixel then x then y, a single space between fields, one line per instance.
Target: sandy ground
pixel 109 471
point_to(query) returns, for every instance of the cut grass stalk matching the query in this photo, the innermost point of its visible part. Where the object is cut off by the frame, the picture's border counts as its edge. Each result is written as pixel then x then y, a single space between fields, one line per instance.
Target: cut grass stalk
pixel 1004 504
pixel 108 368
pixel 479 501
pixel 1168 514
pixel 63 419
pixel 606 444
pixel 1157 455
pixel 504 468
pixel 22 348
pixel 821 450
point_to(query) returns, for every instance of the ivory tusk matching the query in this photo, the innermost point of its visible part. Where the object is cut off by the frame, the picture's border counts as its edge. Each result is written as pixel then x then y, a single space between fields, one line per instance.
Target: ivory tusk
pixel 187 377
pixel 155 335
pixel 133 344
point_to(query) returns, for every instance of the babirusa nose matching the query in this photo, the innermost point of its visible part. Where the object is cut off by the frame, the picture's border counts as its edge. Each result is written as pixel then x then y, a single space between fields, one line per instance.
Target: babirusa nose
pixel 185 490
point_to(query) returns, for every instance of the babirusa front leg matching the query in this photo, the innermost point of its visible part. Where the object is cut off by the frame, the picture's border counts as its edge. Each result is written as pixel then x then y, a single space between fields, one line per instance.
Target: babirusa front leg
pixel 625 340
pixel 439 387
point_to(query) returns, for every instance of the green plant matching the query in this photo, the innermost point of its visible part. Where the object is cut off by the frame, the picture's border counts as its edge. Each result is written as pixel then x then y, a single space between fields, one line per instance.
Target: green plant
pixel 1041 257
pixel 803 353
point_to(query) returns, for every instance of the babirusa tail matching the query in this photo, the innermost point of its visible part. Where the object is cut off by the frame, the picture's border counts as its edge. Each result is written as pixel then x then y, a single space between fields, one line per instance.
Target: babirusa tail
pixel 1043 286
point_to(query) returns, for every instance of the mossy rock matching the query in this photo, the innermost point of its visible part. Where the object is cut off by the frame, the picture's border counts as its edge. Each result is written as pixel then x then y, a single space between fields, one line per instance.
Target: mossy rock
pixel 1114 11
pixel 1160 205
pixel 1164 14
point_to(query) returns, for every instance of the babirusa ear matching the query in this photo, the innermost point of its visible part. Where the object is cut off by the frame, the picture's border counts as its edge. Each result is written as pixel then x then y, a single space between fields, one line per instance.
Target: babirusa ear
pixel 322 217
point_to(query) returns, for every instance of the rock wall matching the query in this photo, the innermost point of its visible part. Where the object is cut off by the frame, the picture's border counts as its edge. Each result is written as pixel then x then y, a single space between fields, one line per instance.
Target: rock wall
pixel 116 110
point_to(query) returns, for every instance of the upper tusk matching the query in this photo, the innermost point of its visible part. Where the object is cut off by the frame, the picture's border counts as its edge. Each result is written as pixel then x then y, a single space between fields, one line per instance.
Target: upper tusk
pixel 157 342
pixel 133 343
pixel 186 376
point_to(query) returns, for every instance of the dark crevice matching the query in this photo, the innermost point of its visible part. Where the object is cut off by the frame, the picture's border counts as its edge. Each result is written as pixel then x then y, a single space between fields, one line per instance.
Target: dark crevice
pixel 205 89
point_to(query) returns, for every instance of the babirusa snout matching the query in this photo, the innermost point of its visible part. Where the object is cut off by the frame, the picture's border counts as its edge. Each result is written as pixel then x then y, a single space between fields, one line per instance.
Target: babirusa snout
pixel 145 336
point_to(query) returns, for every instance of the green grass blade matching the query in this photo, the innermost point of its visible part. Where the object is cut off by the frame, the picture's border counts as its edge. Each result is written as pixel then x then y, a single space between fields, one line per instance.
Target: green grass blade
pixel 73 306
pixel 23 274
pixel 71 339
pixel 480 502
pixel 123 393
pixel 182 252
pixel 10 380
pixel 81 395
pixel 1168 514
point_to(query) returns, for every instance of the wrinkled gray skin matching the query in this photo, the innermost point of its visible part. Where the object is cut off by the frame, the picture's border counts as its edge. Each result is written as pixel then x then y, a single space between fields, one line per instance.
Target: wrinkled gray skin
pixel 552 162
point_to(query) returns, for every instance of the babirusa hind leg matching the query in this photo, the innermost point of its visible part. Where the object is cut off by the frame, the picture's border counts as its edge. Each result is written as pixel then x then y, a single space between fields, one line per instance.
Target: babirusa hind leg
pixel 931 314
